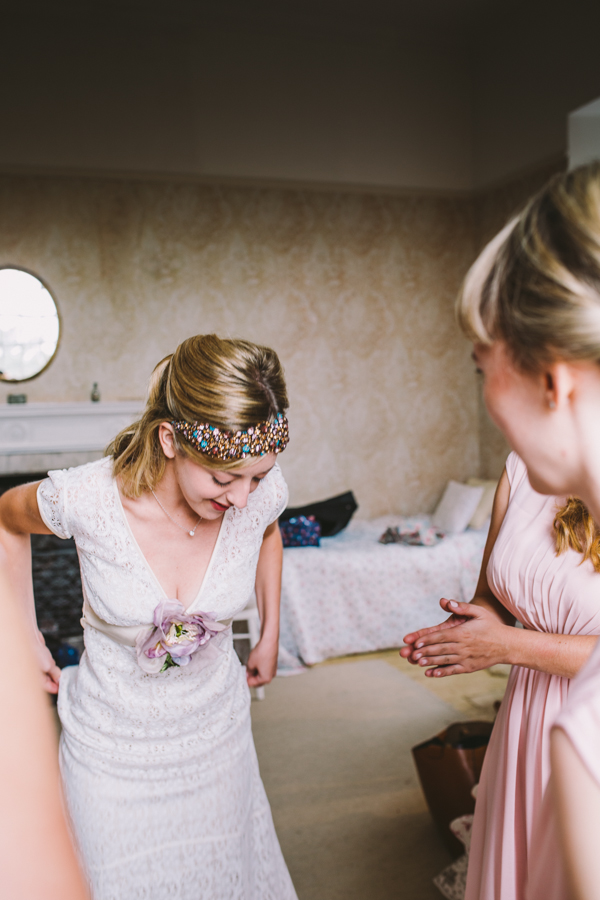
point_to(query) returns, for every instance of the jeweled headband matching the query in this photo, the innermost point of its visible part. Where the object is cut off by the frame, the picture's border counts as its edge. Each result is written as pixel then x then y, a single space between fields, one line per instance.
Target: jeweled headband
pixel 266 437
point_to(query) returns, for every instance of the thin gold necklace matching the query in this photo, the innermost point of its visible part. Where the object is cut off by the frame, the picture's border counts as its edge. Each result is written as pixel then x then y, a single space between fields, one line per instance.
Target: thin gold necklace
pixel 191 533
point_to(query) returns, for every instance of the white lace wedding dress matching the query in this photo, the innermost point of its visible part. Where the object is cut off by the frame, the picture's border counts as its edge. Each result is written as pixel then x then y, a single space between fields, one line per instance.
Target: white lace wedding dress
pixel 160 772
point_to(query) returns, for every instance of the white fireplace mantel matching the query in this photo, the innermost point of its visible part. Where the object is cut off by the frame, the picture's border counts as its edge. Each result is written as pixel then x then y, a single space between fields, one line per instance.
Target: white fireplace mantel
pixel 34 430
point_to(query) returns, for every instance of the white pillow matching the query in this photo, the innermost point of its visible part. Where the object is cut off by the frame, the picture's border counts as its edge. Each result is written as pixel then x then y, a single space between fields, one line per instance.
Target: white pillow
pixel 455 509
pixel 484 509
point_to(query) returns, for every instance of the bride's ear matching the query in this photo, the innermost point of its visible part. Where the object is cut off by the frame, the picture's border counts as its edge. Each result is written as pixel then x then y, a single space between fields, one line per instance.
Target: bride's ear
pixel 166 436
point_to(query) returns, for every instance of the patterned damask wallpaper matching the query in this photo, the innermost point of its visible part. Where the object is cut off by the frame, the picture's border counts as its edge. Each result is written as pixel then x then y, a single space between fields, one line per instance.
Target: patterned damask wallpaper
pixel 354 291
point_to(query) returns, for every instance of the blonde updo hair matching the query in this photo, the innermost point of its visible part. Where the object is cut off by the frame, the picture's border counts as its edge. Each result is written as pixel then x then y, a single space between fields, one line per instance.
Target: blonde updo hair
pixel 536 286
pixel 231 384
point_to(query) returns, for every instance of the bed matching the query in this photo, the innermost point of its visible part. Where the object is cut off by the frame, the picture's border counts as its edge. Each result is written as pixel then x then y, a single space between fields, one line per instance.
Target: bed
pixel 355 595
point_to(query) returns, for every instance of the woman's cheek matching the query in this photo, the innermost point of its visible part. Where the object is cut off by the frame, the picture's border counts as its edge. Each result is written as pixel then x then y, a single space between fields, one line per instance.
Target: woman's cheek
pixel 496 405
pixel 511 408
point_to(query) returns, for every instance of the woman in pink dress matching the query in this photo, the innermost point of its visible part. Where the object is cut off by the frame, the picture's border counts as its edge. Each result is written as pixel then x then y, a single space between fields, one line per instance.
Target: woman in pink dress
pixel 531 305
pixel 556 597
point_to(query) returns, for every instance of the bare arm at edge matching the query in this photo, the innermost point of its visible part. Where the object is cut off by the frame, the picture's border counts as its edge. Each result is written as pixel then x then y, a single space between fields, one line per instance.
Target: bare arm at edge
pixel 19 518
pixel 576 797
pixel 37 859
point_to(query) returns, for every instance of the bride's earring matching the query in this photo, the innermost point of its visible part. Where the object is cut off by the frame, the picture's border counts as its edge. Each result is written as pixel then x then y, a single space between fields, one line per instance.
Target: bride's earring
pixel 551 404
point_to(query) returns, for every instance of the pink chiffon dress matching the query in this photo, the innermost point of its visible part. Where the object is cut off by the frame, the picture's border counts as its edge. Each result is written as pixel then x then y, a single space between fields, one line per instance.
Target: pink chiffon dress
pixel 549 593
pixel 580 720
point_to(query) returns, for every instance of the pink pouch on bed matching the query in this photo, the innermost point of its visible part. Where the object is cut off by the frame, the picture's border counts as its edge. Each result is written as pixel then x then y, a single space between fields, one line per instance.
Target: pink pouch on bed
pixel 419 537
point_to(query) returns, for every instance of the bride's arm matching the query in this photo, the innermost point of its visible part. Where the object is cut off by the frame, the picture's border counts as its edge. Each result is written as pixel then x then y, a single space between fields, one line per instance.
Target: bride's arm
pixel 20 518
pixel 262 662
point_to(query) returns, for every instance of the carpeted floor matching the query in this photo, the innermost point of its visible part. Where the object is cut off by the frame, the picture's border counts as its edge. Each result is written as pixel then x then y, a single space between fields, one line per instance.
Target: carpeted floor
pixel 334 750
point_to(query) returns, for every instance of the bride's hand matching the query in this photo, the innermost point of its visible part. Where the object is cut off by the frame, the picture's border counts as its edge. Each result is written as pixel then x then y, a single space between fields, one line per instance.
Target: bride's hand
pixel 51 679
pixel 49 669
pixel 262 663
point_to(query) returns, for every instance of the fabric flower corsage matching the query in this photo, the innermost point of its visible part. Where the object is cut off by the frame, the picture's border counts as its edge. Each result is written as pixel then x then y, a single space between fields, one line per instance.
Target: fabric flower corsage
pixel 176 637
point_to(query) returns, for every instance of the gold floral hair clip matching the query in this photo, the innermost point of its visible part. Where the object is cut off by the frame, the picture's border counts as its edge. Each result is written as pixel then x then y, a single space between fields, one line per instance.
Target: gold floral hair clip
pixel 266 437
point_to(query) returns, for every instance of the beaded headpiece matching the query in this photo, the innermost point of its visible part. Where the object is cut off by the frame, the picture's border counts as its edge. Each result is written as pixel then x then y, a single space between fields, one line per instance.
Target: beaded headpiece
pixel 266 437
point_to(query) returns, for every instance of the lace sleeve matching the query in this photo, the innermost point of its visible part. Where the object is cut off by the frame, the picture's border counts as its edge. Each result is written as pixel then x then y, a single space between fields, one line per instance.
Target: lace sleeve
pixel 279 493
pixel 52 502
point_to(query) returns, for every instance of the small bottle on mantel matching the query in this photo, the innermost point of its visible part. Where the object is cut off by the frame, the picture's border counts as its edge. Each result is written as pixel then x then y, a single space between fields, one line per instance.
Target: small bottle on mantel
pixel 95 395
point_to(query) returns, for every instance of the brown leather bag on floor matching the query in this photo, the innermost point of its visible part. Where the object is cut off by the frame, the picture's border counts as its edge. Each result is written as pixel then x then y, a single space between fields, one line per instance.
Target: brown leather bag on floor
pixel 449 766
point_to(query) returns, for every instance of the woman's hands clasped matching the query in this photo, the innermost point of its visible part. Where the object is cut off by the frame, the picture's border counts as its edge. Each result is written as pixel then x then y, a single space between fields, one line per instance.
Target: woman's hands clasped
pixel 472 638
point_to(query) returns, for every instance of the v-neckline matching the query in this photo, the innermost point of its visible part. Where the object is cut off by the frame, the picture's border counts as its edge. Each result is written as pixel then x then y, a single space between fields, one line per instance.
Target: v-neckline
pixel 190 608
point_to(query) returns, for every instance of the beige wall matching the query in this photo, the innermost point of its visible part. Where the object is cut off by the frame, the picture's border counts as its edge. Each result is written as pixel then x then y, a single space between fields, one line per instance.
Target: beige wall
pixel 355 292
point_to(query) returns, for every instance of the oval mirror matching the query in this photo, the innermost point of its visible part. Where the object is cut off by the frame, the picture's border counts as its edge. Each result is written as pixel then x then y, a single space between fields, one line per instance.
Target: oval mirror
pixel 29 325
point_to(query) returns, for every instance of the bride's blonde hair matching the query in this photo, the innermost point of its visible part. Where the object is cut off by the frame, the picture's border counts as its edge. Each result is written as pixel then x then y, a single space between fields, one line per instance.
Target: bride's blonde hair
pixel 536 286
pixel 230 384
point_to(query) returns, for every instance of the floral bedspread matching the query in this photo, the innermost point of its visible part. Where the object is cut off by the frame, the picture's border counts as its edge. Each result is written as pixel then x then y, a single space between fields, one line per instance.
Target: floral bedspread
pixel 354 595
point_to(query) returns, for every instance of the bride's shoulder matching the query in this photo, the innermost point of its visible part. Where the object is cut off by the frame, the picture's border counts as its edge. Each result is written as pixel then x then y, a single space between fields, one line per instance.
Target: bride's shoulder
pixel 271 496
pixel 275 477
pixel 80 485
pixel 92 475
pixel 98 471
pixel 67 495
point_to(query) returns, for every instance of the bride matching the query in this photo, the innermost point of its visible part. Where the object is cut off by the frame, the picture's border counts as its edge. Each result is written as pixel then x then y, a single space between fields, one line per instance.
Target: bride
pixel 174 529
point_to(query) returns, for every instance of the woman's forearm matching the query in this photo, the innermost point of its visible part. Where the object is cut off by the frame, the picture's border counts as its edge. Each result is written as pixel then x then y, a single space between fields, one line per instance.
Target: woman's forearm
pixel 556 654
pixel 489 602
pixel 268 582
pixel 478 638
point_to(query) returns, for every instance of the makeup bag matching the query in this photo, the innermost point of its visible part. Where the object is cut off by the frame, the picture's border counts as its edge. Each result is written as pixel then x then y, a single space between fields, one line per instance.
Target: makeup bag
pixel 300 531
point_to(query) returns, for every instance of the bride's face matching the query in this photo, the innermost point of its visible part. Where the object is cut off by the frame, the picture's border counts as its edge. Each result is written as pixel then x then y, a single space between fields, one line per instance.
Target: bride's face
pixel 211 492
pixel 545 416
